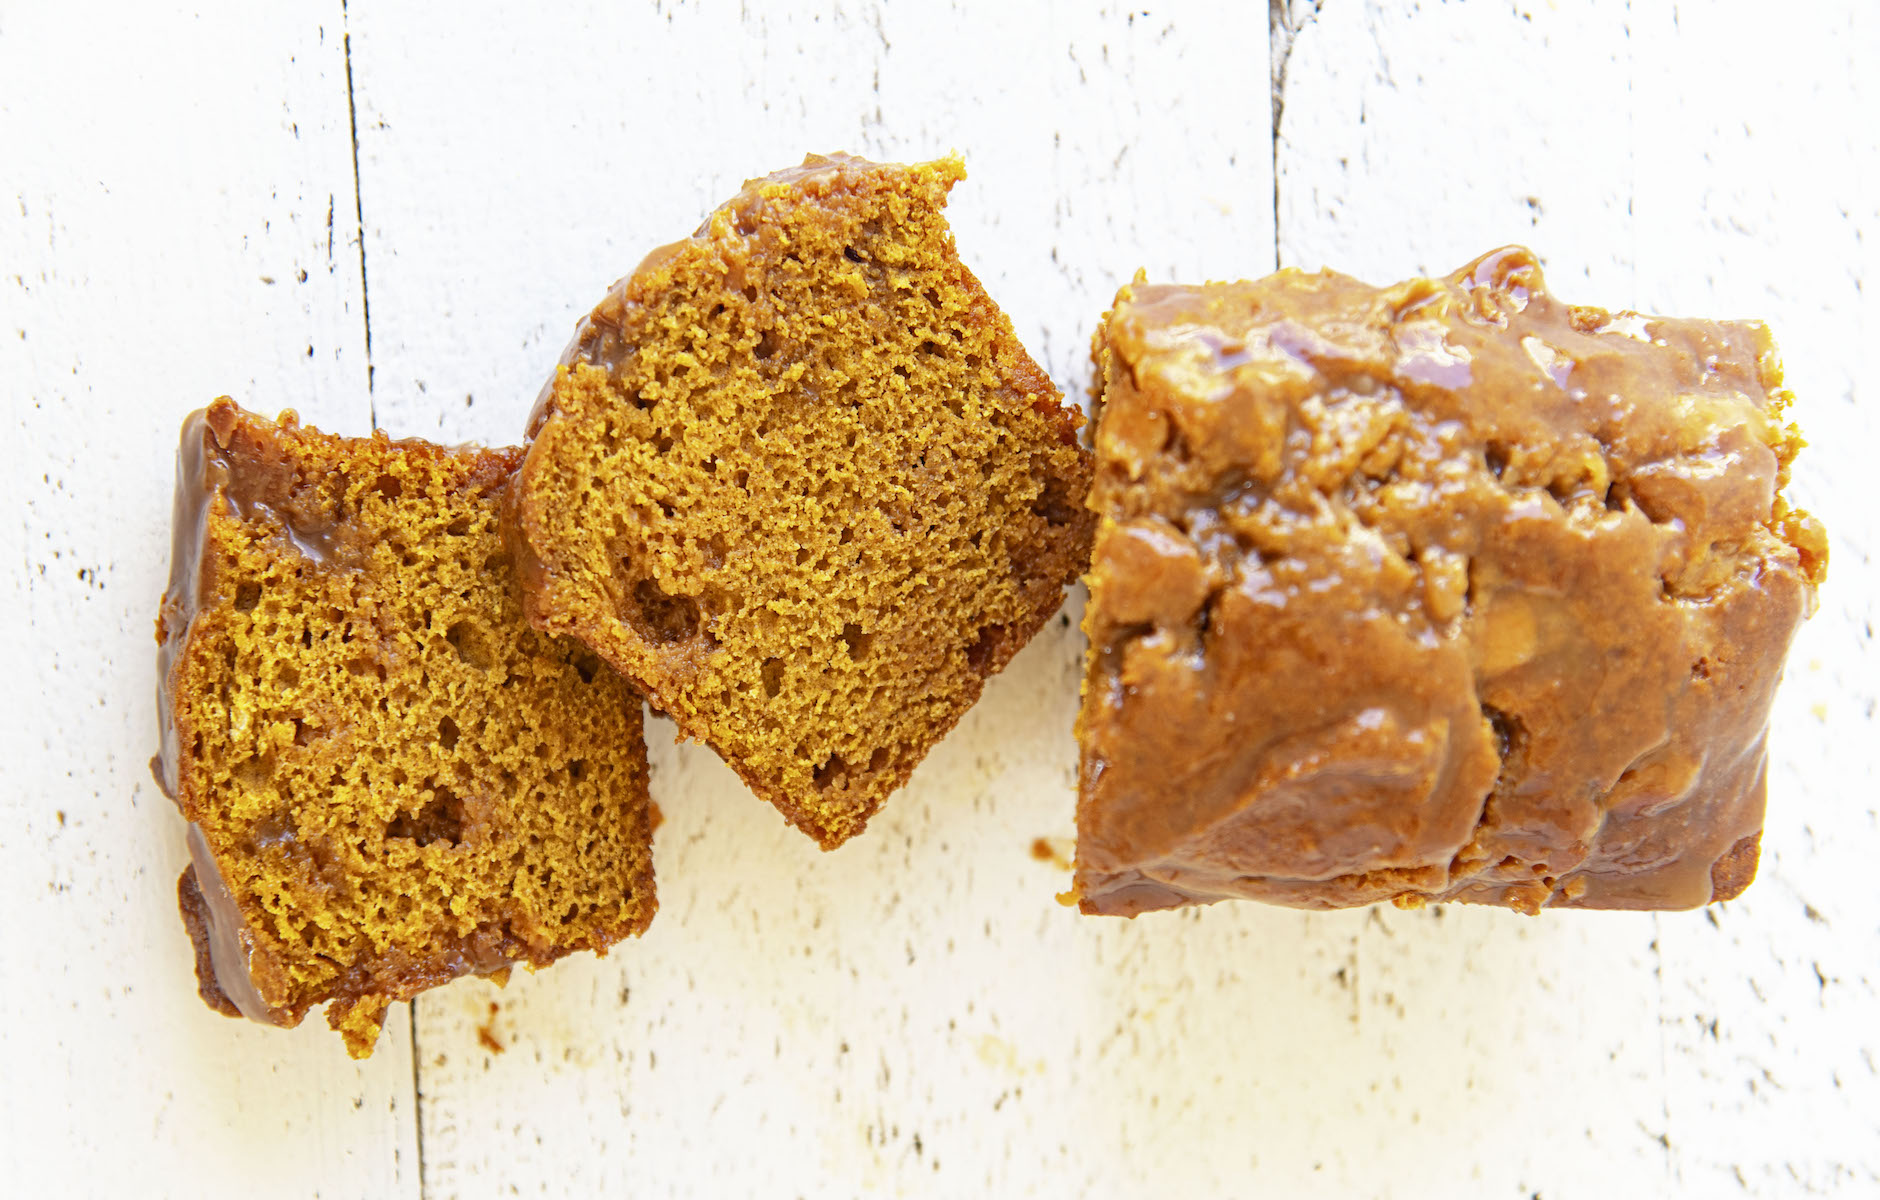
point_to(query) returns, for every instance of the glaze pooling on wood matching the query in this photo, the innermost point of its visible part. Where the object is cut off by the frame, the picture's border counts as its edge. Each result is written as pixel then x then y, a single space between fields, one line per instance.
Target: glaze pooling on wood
pixel 1442 591
pixel 390 780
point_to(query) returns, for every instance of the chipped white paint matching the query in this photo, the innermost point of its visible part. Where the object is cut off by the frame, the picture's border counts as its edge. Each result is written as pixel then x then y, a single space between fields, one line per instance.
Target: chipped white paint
pixel 912 1014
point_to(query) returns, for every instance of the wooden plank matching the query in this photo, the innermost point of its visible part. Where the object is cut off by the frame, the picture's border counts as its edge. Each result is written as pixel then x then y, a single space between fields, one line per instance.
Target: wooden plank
pixel 1760 196
pixel 178 223
pixel 914 1011
pixel 1097 143
pixel 1682 159
pixel 1417 136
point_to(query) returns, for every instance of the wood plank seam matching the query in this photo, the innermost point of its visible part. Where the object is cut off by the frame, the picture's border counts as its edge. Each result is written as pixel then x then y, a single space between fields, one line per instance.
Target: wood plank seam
pixel 359 219
pixel 365 307
pixel 1283 25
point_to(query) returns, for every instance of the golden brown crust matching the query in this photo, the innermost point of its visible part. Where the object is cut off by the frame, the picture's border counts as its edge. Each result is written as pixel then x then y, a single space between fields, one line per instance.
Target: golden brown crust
pixel 390 780
pixel 799 481
pixel 1442 591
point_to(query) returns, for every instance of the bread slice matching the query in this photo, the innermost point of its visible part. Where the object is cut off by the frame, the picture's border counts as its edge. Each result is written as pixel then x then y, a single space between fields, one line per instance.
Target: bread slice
pixel 797 479
pixel 390 779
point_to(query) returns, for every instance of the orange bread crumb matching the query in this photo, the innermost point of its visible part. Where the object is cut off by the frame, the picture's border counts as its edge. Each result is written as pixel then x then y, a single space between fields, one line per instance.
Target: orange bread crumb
pixel 798 480
pixel 391 780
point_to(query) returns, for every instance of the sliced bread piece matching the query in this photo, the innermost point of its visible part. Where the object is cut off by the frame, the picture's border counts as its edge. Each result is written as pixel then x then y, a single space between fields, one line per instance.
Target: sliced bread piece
pixel 390 779
pixel 799 481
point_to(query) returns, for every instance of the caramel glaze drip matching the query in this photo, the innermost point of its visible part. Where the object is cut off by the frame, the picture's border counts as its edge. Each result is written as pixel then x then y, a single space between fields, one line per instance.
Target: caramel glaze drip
pixel 1441 591
pixel 205 475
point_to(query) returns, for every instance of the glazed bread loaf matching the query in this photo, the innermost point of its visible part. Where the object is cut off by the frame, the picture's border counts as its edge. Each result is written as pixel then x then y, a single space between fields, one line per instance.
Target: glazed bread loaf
pixel 1441 591
pixel 390 780
pixel 797 479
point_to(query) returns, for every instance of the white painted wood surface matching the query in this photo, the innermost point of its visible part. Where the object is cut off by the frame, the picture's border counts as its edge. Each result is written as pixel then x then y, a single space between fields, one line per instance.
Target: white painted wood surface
pixel 168 179
pixel 912 1014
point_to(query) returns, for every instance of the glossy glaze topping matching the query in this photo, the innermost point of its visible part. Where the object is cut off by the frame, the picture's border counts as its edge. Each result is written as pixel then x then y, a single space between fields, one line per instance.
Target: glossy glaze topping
pixel 1446 590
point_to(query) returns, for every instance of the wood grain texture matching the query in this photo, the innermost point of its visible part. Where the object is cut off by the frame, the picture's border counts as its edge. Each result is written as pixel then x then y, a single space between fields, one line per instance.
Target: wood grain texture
pixel 165 238
pixel 515 164
pixel 912 1014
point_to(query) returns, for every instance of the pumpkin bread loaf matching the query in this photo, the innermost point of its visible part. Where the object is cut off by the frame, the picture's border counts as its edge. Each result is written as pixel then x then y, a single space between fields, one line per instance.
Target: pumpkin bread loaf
pixel 1440 591
pixel 797 479
pixel 390 779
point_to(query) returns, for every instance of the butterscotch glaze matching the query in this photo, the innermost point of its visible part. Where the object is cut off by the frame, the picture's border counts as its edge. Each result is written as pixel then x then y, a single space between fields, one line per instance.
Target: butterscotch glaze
pixel 1440 591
